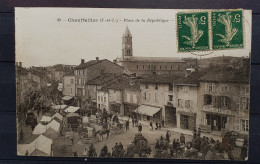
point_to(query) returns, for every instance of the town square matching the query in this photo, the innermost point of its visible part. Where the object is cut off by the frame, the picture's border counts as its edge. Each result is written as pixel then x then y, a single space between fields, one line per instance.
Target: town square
pixel 138 106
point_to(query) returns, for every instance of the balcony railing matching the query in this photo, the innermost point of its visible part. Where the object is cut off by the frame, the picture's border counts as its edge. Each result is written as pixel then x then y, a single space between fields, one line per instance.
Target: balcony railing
pixel 225 111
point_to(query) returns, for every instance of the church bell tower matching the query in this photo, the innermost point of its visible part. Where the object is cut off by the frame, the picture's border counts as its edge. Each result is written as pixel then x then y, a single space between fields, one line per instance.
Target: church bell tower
pixel 127 49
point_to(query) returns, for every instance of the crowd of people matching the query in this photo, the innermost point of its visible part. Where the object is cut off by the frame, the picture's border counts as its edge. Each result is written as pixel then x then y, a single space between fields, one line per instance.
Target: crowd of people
pixel 198 148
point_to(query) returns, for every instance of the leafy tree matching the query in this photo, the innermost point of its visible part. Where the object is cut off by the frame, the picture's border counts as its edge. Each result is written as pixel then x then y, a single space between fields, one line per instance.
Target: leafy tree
pixel 21 136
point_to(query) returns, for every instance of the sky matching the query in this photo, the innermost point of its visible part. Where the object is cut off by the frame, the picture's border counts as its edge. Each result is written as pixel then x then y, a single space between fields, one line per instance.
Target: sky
pixel 41 40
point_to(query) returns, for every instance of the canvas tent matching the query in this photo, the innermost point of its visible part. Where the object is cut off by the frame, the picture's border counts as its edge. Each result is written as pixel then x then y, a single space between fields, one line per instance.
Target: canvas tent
pixel 54 125
pixel 41 146
pixel 67 98
pixel 71 109
pixel 39 129
pixel 59 107
pixel 46 119
pixel 58 117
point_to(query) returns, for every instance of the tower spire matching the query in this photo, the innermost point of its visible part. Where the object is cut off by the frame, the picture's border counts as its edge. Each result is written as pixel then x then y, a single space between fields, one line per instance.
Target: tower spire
pixel 127 32
pixel 127 50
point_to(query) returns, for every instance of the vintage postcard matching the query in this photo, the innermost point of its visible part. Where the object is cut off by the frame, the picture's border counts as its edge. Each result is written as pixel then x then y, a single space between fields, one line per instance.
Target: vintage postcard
pixel 133 83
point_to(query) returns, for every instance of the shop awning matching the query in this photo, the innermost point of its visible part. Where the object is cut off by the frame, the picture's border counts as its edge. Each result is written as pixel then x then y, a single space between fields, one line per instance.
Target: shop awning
pixel 71 109
pixel 147 110
pixel 67 98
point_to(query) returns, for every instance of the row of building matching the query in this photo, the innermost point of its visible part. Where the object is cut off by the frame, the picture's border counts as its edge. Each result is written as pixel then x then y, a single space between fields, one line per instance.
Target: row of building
pixel 178 91
pixel 185 93
pixel 214 99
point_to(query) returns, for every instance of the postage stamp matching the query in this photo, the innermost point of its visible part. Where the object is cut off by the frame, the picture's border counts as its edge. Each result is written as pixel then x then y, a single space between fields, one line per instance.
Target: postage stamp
pixel 193 31
pixel 227 29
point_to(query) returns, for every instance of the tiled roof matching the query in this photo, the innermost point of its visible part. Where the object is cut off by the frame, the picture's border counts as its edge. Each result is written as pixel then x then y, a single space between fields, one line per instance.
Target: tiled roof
pixel 160 79
pixel 192 79
pixel 103 78
pixel 227 75
pixel 88 64
pixel 123 82
pixel 152 59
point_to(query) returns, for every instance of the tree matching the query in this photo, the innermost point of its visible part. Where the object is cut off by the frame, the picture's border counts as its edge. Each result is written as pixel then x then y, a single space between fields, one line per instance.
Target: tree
pixel 21 136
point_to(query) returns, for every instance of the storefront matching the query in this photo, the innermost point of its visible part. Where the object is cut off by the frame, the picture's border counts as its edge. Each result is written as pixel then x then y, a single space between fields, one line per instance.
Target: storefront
pixel 115 108
pixel 216 122
pixel 187 120
pixel 129 109
pixel 170 116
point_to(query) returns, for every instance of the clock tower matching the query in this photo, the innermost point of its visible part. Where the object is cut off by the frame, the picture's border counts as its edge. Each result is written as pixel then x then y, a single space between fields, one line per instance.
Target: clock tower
pixel 127 49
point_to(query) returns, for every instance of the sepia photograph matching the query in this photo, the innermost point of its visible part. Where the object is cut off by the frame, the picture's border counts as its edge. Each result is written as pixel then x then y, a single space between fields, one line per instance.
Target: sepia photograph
pixel 133 83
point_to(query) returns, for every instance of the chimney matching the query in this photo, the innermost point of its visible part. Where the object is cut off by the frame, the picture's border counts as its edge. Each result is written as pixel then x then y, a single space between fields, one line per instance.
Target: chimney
pixel 20 64
pixel 16 63
pixel 114 60
pixel 82 61
pixel 97 58
pixel 188 72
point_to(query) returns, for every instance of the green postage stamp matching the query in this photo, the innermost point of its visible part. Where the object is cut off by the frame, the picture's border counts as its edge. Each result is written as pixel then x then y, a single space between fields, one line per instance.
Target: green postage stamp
pixel 199 32
pixel 193 31
pixel 227 29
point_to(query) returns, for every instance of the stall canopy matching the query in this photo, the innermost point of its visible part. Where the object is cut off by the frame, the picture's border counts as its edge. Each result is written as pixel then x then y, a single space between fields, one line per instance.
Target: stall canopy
pixel 54 125
pixel 59 106
pixel 147 110
pixel 39 129
pixel 71 109
pixel 46 119
pixel 72 115
pixel 58 116
pixel 41 144
pixel 67 98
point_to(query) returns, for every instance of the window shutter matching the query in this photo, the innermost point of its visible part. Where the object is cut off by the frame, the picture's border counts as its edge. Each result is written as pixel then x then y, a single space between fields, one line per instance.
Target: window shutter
pixel 214 101
pixel 228 102
pixel 205 99
pixel 237 124
pixel 206 87
pixel 191 104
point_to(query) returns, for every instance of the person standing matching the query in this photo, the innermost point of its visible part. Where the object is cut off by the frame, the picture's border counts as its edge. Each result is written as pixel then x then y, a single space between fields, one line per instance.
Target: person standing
pixel 156 124
pixel 194 133
pixel 107 131
pixel 100 135
pixel 133 121
pixel 140 128
pixel 182 138
pixel 163 123
pixel 127 125
pixel 168 136
pixel 151 126
pixel 199 133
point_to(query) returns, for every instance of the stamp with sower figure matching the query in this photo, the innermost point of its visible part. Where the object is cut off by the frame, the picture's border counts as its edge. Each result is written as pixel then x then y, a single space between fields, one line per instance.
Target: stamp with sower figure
pixel 227 29
pixel 193 31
